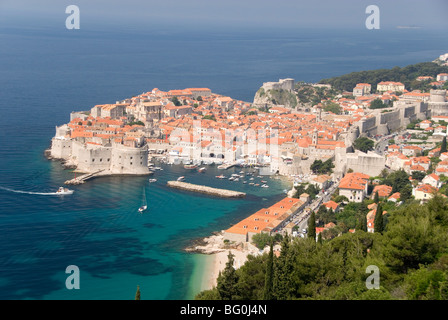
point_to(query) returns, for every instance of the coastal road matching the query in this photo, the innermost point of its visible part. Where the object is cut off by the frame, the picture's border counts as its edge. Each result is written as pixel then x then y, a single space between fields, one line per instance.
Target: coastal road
pixel 301 219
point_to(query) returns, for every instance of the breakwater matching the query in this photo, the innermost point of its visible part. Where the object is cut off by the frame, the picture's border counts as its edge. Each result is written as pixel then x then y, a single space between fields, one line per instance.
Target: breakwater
pixel 207 190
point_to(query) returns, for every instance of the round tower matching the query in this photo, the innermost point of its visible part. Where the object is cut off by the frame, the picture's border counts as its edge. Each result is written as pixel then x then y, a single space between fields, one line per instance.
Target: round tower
pixel 437 96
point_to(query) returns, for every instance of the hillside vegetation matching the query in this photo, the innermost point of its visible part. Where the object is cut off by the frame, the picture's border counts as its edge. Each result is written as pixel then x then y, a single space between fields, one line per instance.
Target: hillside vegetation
pixel 405 75
pixel 411 255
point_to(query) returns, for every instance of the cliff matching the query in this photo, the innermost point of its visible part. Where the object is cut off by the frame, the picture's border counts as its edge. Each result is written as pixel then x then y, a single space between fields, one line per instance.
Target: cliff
pixel 275 97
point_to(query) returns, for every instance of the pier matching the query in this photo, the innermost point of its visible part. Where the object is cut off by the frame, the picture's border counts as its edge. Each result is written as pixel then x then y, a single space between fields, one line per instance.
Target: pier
pixel 83 178
pixel 223 193
pixel 226 166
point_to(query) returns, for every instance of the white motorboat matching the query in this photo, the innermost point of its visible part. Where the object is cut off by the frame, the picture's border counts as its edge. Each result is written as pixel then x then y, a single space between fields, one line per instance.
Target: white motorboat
pixel 152 180
pixel 144 205
pixel 63 190
pixel 264 186
pixel 181 178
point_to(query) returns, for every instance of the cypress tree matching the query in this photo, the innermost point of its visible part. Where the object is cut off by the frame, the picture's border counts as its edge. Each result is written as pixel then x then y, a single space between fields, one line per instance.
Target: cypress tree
pixel 319 238
pixel 312 227
pixel 376 199
pixel 364 223
pixel 358 224
pixel 227 281
pixel 137 294
pixel 378 227
pixel 443 146
pixel 268 284
pixel 283 268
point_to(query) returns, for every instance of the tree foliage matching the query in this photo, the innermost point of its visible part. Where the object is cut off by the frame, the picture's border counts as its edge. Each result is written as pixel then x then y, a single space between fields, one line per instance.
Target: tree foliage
pixel 322 167
pixel 406 75
pixel 363 144
pixel 411 254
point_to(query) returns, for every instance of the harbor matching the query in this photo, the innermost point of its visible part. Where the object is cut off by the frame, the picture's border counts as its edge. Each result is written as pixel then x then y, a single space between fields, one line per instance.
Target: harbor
pixel 223 193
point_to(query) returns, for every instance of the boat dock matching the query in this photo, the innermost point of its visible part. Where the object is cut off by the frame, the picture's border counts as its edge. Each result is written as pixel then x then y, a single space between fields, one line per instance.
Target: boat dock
pixel 226 166
pixel 207 190
pixel 83 178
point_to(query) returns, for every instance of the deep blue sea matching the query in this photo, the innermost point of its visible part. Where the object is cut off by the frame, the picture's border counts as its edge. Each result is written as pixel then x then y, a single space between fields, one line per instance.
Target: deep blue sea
pixel 45 73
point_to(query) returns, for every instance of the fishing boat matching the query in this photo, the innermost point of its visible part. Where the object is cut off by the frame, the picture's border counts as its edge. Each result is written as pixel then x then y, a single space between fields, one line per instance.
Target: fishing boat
pixel 63 190
pixel 190 166
pixel 144 205
pixel 181 178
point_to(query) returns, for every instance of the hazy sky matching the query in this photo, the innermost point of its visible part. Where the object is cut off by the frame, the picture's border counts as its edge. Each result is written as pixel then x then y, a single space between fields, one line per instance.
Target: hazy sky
pixel 233 13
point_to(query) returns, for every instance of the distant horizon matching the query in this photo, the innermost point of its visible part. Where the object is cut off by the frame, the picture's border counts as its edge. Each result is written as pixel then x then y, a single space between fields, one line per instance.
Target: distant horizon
pixel 325 14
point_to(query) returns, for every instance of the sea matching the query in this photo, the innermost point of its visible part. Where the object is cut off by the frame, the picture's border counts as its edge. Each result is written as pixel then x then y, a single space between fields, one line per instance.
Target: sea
pixel 46 72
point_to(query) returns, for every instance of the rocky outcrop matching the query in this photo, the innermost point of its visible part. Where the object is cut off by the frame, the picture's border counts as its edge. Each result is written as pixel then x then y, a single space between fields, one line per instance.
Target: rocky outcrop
pixel 275 97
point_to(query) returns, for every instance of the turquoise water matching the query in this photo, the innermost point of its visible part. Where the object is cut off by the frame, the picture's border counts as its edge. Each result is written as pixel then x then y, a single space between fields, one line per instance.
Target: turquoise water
pixel 47 73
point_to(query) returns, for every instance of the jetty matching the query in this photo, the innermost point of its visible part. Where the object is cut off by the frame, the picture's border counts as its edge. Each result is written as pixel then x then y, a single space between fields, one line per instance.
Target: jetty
pixel 223 193
pixel 83 178
pixel 226 166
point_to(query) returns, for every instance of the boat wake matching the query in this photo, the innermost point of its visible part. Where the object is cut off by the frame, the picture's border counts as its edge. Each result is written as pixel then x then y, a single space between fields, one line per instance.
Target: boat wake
pixel 30 192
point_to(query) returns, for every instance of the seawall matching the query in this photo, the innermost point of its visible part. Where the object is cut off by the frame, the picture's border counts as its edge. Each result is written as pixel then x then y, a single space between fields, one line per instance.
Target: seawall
pixel 223 193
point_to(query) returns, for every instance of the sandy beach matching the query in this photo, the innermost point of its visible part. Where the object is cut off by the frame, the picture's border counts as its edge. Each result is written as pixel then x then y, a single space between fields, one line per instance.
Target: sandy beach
pixel 218 251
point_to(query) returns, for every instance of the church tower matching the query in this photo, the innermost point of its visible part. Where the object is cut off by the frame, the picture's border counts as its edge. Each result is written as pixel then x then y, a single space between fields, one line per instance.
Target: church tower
pixel 315 136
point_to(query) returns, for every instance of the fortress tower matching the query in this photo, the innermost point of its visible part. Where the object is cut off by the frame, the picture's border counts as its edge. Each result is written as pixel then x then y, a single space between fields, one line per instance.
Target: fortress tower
pixel 438 104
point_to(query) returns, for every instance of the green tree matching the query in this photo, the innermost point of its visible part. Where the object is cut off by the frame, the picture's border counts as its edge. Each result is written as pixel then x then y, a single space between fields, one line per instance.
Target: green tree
pixel 319 238
pixel 176 101
pixel 376 199
pixel 312 226
pixel 209 117
pixel 405 192
pixel 377 104
pixel 378 222
pixel 268 284
pixel 332 107
pixel 443 146
pixel 261 240
pixel 416 234
pixel 283 271
pixel 363 144
pixel 418 175
pixel 137 294
pixel 227 280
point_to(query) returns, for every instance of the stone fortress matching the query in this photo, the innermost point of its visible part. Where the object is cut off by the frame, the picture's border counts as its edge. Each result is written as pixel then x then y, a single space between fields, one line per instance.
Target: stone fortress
pixel 282 84
pixel 438 103
pixel 91 155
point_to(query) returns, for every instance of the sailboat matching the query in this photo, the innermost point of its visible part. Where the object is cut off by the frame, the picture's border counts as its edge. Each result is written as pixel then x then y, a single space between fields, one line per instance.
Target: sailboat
pixel 144 205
